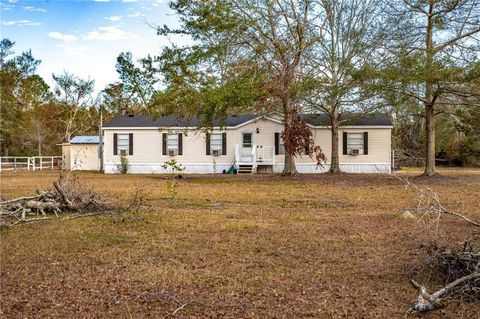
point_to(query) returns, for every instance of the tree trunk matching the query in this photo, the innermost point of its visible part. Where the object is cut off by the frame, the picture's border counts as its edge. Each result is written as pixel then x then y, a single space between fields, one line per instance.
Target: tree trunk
pixel 430 136
pixel 6 146
pixel 289 167
pixel 334 158
pixel 429 98
pixel 39 147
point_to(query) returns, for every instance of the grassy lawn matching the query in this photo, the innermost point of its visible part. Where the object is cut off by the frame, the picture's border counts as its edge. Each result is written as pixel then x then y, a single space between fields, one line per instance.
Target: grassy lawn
pixel 240 246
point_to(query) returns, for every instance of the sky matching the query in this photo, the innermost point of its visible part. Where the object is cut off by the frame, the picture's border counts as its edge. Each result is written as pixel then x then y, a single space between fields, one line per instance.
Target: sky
pixel 84 37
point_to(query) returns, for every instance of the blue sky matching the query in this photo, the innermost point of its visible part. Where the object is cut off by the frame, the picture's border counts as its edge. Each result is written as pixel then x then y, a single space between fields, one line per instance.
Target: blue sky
pixel 84 37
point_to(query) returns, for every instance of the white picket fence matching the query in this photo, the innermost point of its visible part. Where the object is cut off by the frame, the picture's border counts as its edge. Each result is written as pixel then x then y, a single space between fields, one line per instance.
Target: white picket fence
pixel 32 163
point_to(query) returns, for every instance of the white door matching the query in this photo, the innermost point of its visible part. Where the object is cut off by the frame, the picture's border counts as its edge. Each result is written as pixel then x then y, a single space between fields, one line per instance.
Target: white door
pixel 247 145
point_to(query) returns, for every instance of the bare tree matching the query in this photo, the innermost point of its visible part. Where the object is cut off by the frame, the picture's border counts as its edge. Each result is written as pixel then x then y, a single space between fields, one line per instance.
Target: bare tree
pixel 75 95
pixel 39 133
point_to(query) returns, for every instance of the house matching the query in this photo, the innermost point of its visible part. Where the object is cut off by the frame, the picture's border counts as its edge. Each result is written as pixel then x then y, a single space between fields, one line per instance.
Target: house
pixel 82 153
pixel 250 143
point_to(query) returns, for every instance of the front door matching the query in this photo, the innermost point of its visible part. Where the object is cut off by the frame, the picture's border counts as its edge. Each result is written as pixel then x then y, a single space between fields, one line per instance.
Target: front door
pixel 247 145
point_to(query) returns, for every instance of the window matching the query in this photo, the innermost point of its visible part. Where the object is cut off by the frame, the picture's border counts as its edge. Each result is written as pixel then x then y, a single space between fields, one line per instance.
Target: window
pixel 216 143
pixel 247 139
pixel 281 146
pixel 354 142
pixel 123 144
pixel 172 142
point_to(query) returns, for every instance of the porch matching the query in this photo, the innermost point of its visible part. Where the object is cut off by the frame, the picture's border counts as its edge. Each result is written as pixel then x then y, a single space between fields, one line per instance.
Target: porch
pixel 252 158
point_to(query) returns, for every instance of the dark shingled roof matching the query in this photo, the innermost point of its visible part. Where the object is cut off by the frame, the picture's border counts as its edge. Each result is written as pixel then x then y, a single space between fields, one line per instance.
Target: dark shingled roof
pixel 378 119
pixel 172 121
pixel 234 120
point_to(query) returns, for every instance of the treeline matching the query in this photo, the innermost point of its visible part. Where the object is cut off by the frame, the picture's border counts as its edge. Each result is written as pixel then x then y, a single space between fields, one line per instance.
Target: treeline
pixel 36 118
pixel 416 60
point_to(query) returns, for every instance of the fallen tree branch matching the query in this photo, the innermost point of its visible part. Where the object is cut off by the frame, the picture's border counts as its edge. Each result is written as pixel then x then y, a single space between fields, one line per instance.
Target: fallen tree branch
pixel 428 302
pixel 15 200
pixel 459 270
pixel 62 193
pixel 432 201
pixel 67 195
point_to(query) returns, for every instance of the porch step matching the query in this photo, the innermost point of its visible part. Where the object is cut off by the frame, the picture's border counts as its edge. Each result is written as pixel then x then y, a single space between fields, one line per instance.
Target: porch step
pixel 245 169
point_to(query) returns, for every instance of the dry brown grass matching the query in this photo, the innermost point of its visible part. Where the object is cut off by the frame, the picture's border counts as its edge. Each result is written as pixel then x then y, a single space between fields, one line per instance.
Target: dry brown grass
pixel 255 246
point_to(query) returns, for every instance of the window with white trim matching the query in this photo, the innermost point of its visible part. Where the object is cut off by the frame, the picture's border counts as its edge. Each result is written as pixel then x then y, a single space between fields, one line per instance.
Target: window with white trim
pixel 123 144
pixel 172 142
pixel 216 142
pixel 354 142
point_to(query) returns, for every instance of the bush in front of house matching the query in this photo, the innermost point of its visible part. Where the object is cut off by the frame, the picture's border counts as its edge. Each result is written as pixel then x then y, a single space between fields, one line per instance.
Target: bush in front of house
pixel 174 169
pixel 123 166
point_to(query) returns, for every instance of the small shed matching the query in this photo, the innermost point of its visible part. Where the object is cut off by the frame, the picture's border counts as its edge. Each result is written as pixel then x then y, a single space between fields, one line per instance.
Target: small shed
pixel 82 153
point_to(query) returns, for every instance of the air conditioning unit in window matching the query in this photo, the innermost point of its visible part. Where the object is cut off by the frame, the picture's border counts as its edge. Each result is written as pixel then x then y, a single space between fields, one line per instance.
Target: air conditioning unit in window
pixel 123 152
pixel 172 151
pixel 354 151
pixel 215 152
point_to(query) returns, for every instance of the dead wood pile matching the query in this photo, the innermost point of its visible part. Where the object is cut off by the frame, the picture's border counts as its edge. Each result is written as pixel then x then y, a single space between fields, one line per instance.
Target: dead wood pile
pixel 66 196
pixel 457 269
pixel 454 263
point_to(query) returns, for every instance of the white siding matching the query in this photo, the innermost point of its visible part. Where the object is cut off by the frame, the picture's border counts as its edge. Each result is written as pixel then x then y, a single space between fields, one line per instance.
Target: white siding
pixel 84 157
pixel 147 149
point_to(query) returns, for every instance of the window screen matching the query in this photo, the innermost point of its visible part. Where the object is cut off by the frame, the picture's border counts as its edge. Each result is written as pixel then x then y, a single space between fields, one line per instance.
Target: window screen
pixel 123 144
pixel 172 142
pixel 216 142
pixel 354 141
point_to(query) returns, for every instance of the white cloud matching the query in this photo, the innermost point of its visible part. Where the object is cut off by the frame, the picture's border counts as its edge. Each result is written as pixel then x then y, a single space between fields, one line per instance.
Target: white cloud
pixel 135 15
pixel 21 23
pixel 33 9
pixel 114 18
pixel 6 7
pixel 110 33
pixel 129 1
pixel 101 0
pixel 62 37
pixel 157 3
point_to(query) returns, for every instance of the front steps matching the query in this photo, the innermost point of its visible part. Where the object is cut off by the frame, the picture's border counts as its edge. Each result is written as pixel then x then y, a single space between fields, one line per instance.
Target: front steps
pixel 245 169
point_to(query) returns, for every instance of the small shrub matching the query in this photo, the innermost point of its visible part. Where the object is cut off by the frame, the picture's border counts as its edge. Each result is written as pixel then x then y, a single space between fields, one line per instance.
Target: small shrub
pixel 173 169
pixel 123 166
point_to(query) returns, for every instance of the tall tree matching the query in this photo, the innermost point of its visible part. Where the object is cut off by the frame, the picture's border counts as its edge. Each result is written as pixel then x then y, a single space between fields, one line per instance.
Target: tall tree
pixel 136 81
pixel 347 39
pixel 75 96
pixel 21 90
pixel 114 99
pixel 265 41
pixel 436 41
